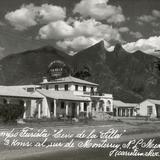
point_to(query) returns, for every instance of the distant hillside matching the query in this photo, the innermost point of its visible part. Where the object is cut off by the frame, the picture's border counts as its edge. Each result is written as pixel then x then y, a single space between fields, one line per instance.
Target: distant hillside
pixel 29 67
pixel 130 77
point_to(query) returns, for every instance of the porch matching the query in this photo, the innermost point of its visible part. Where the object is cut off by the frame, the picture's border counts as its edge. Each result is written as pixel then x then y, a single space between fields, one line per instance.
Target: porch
pixel 124 112
pixel 69 109
pixel 32 107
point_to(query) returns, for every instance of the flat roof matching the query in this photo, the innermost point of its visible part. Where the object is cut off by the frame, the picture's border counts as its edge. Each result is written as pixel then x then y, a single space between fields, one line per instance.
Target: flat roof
pixel 9 91
pixel 119 103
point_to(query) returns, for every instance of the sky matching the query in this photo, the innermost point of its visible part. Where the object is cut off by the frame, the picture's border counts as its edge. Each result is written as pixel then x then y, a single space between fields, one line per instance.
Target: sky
pixel 73 25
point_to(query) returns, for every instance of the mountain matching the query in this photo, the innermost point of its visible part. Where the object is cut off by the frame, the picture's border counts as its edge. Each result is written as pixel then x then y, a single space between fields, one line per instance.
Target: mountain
pixel 130 77
pixel 29 67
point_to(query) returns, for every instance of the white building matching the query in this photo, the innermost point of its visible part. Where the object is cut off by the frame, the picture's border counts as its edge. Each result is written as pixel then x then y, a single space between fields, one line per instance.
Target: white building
pixel 63 97
pixel 122 109
pixel 21 95
pixel 150 108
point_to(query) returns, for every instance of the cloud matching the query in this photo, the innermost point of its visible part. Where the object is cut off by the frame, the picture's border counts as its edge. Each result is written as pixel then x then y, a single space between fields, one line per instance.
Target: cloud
pixel 146 18
pixel 93 28
pixel 154 16
pixel 146 45
pixel 99 10
pixel 30 15
pixel 22 18
pixel 79 34
pixel 156 13
pixel 87 28
pixel 136 34
pixel 50 13
pixel 77 44
pixel 123 29
pixel 56 30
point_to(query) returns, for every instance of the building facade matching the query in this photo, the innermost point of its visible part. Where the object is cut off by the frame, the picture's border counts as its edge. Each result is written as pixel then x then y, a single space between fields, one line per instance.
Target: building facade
pixel 122 109
pixel 149 108
pixel 73 97
pixel 60 98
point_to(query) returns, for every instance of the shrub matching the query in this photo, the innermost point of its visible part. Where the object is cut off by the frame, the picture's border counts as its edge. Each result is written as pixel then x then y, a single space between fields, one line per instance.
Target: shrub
pixel 11 112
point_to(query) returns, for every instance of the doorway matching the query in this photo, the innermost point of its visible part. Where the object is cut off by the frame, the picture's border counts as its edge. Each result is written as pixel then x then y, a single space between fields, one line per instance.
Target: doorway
pixel 52 107
pixel 158 111
pixel 73 110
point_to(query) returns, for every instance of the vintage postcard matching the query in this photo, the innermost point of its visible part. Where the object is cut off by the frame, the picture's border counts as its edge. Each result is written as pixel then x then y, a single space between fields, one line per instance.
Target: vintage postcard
pixel 79 79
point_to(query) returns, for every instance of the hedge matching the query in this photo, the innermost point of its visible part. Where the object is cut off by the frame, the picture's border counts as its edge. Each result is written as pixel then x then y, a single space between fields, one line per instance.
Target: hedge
pixel 11 112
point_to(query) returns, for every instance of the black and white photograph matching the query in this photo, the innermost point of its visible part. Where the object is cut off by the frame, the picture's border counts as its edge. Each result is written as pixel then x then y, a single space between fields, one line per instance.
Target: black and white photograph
pixel 79 79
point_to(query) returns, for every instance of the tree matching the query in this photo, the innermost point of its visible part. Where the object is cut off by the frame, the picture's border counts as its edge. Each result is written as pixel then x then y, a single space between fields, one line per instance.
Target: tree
pixel 83 73
pixel 11 112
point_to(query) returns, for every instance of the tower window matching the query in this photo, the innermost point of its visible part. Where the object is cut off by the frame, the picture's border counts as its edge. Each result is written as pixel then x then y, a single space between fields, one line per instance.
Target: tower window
pixel 56 87
pixel 66 87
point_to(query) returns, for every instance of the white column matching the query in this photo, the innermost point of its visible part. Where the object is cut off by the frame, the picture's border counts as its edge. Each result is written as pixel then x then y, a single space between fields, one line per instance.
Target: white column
pixel 66 108
pixel 134 112
pixel 121 112
pixel 117 112
pixel 39 110
pixel 25 106
pixel 82 106
pixel 129 113
pixel 89 107
pixel 97 106
pixel 125 113
pixel 77 109
pixel 105 107
pixel 111 105
pixel 55 108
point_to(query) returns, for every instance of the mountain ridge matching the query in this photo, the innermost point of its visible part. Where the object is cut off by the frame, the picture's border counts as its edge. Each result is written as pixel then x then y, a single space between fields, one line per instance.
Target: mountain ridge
pixel 130 77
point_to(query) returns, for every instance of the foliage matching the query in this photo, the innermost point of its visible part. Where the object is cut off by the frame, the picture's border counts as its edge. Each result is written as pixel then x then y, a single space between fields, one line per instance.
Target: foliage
pixel 83 73
pixel 11 112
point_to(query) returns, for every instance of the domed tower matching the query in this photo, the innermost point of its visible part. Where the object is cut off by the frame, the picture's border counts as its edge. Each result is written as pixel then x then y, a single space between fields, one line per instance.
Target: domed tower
pixel 57 69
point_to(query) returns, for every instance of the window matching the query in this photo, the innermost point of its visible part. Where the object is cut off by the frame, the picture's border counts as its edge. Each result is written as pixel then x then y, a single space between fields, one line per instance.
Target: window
pixel 84 88
pixel 76 87
pixel 66 87
pixel 30 89
pixel 149 110
pixel 56 87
